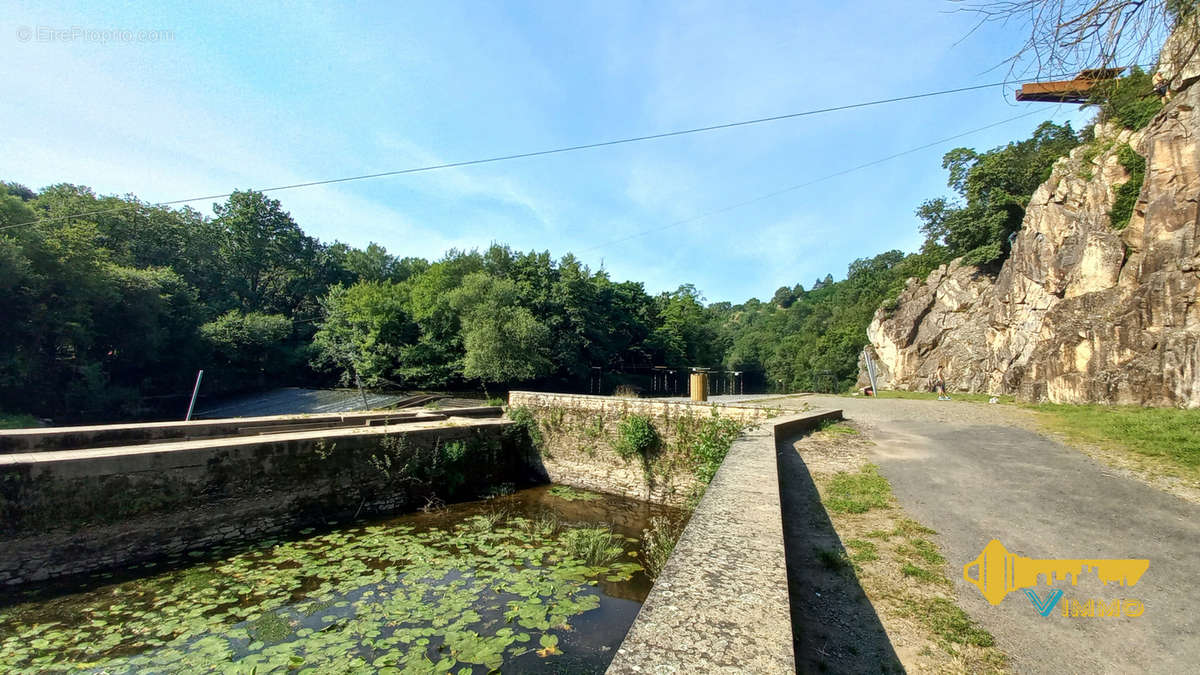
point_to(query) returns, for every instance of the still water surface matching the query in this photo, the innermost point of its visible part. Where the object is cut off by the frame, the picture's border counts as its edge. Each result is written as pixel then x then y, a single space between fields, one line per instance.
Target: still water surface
pixel 545 579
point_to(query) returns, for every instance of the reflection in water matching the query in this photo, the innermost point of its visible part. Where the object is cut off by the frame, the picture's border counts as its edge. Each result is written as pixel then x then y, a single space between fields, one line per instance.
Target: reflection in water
pixel 528 581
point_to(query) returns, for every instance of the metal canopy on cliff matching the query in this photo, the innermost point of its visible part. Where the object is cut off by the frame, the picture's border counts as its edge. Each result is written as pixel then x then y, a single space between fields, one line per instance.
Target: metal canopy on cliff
pixel 1067 91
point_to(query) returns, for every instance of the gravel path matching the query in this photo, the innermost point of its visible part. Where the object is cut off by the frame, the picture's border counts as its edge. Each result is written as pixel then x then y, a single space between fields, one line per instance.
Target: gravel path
pixel 975 472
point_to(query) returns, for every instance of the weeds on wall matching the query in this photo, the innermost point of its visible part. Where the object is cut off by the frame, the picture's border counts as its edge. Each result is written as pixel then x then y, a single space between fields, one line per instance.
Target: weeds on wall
pixel 658 542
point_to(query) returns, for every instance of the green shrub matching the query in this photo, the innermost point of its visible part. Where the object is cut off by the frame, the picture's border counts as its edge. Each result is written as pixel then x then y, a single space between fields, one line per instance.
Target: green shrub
pixel 711 444
pixel 1130 101
pixel 636 437
pixel 1126 194
pixel 527 424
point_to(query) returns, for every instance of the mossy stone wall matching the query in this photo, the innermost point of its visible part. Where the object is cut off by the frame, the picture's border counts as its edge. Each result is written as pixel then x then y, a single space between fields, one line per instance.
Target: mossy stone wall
pixel 69 513
pixel 579 437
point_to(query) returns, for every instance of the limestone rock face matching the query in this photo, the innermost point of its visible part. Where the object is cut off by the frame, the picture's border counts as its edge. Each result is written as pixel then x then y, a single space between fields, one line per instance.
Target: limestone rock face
pixel 1178 62
pixel 1079 312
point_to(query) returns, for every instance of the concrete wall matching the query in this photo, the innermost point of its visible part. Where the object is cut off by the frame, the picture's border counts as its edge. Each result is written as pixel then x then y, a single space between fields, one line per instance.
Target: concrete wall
pixel 73 511
pixel 578 433
pixel 721 602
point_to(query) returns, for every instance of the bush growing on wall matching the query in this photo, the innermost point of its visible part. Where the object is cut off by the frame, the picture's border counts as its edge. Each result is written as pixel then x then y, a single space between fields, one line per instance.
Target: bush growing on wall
pixel 636 437
pixel 711 445
pixel 527 424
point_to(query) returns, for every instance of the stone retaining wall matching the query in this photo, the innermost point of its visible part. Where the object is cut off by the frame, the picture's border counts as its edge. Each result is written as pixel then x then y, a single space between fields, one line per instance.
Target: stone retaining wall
pixel 69 512
pixel 578 433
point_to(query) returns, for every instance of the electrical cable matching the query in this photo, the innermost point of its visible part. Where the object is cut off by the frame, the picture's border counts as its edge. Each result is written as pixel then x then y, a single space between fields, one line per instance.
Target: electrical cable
pixel 805 184
pixel 541 153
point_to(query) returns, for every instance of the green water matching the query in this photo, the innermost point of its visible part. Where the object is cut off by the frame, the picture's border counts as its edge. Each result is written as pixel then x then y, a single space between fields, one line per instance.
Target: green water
pixel 528 582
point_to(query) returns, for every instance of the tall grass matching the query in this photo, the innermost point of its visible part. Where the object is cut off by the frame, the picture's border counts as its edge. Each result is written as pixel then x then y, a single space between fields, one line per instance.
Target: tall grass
pixel 594 545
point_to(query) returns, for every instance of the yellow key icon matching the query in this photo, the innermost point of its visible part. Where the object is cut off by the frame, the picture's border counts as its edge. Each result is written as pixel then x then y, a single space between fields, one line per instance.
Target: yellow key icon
pixel 998 572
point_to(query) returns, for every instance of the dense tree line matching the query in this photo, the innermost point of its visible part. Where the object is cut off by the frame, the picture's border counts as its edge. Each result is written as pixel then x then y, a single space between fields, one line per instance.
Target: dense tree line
pixel 112 304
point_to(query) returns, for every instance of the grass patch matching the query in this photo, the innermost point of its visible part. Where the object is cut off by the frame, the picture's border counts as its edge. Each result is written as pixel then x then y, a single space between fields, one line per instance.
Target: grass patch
pixel 1089 154
pixel 18 421
pixel 496 401
pixel 929 577
pixel 545 524
pixel 836 428
pixel 1126 194
pixel 833 560
pixel 858 492
pixel 863 551
pixel 907 527
pixel 1169 436
pixel 950 623
pixel 957 396
pixel 922 550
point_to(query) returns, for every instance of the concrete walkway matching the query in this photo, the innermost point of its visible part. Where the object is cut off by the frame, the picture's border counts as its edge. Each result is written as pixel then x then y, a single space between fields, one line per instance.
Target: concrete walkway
pixel 975 472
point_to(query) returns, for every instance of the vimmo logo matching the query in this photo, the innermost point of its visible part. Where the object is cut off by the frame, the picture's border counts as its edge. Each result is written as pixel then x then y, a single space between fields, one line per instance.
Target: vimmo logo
pixel 996 573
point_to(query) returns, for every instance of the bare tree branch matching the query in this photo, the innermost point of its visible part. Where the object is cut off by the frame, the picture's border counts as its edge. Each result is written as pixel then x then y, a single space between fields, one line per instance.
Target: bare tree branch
pixel 1065 36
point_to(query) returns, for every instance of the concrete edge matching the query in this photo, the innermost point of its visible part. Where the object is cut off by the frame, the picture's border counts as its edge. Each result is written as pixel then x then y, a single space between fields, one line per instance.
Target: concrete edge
pixel 704 405
pixel 50 439
pixel 721 602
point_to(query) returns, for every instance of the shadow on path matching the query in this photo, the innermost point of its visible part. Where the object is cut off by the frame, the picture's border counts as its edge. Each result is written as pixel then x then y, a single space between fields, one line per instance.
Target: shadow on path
pixel 834 626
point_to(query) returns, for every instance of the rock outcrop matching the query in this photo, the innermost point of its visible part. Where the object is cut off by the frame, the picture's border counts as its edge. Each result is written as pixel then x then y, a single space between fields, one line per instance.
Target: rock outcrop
pixel 1080 311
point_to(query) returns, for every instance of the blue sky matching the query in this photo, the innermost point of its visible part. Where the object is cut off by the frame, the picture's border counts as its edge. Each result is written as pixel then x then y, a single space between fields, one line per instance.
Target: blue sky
pixel 246 95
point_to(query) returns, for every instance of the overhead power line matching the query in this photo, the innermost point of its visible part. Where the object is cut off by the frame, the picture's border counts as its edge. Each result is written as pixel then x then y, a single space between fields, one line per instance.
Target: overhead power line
pixel 791 188
pixel 542 153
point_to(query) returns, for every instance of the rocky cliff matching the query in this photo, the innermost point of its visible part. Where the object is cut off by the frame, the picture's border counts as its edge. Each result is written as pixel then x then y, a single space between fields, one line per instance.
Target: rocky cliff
pixel 1081 311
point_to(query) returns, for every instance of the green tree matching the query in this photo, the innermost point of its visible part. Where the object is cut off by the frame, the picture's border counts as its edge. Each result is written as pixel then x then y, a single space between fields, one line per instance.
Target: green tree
pixel 993 188
pixel 363 333
pixel 250 349
pixel 503 340
pixel 268 259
